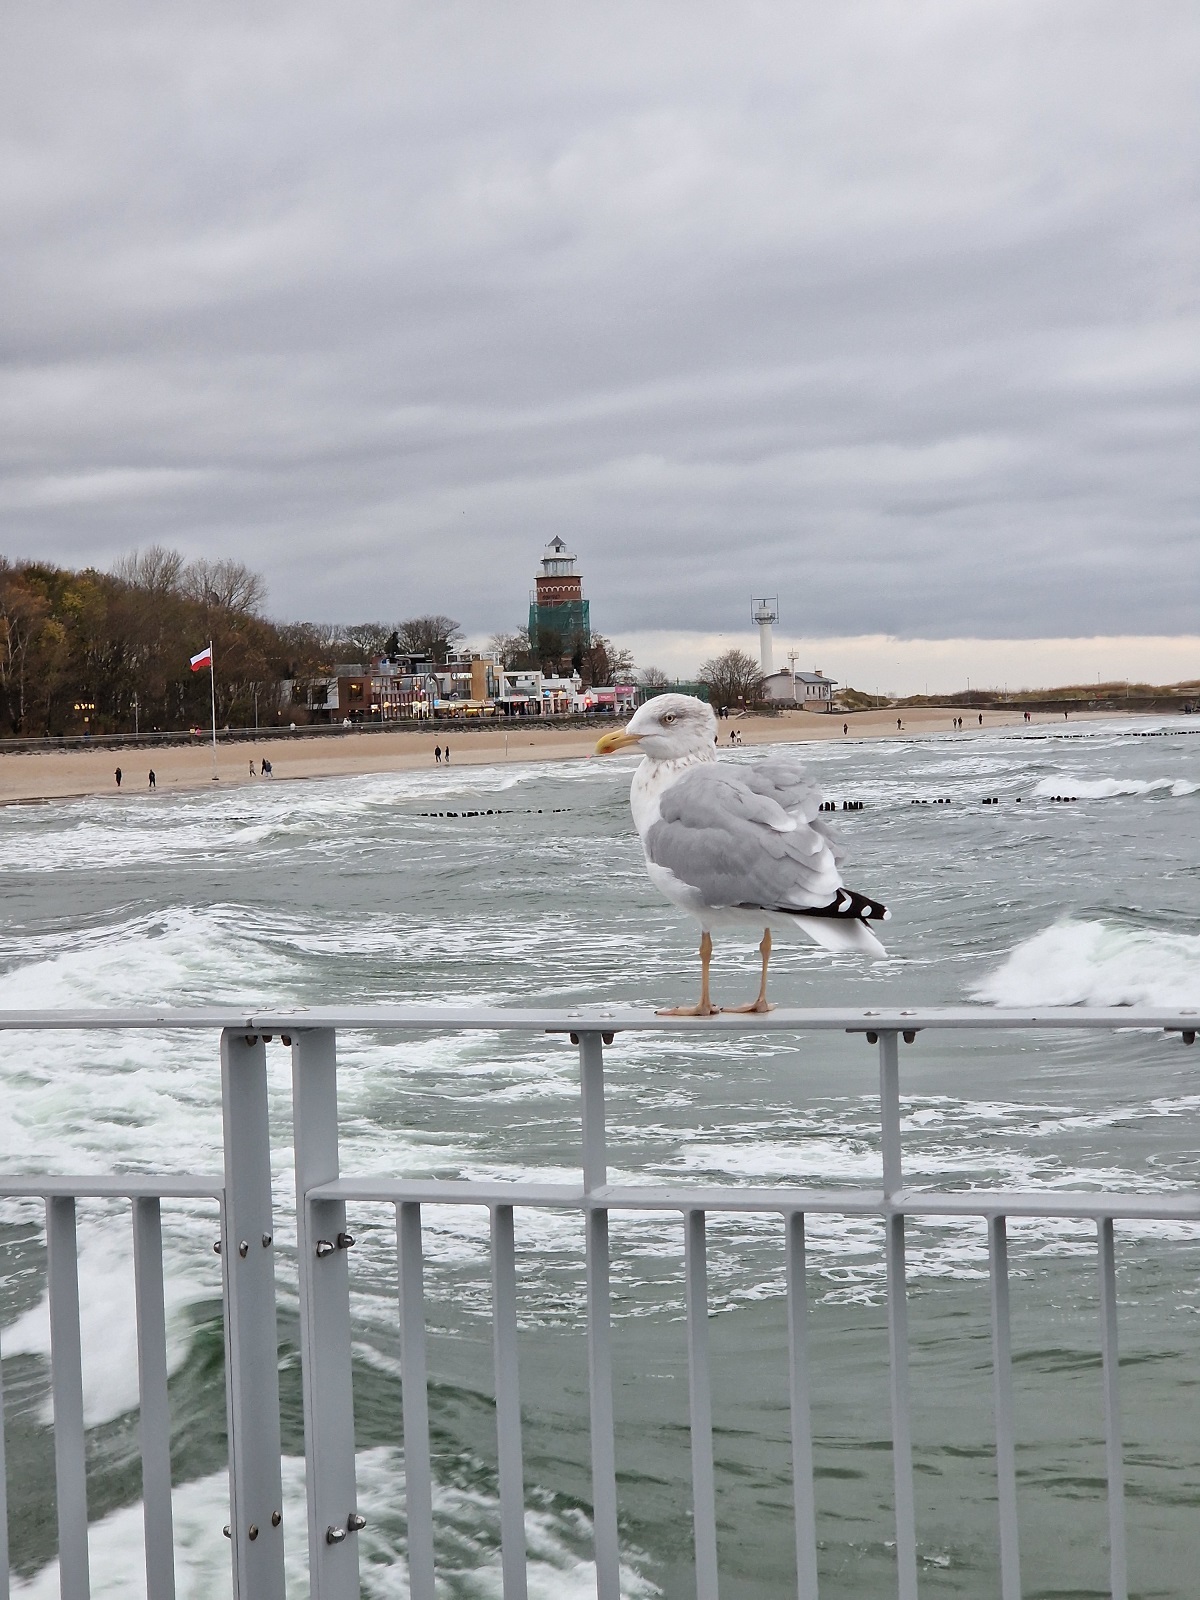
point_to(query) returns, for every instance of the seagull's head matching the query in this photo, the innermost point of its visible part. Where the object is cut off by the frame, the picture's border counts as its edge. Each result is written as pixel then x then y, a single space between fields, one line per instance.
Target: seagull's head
pixel 667 728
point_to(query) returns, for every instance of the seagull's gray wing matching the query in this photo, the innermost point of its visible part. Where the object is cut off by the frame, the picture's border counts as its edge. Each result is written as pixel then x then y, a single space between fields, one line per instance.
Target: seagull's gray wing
pixel 746 836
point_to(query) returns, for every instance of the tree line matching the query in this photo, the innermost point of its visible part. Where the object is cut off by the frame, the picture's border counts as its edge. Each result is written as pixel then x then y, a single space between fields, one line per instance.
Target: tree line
pixel 108 652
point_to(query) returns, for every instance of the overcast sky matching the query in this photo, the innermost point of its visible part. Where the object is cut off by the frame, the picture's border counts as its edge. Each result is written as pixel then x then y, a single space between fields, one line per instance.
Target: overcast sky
pixel 892 309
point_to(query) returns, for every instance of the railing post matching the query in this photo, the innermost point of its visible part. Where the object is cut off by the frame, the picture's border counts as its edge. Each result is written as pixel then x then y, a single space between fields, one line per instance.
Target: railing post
pixel 508 1405
pixel 1113 1451
pixel 1006 1461
pixel 414 1377
pixel 154 1403
pixel 600 1375
pixel 897 1293
pixel 3 1502
pixel 251 1336
pixel 704 1496
pixel 801 1408
pixel 324 1323
pixel 66 1380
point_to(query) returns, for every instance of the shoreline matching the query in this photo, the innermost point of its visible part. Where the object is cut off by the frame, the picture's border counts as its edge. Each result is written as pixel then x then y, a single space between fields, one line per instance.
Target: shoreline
pixel 40 777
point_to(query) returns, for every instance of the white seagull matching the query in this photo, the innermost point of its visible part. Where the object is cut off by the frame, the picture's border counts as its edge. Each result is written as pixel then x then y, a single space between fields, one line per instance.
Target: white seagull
pixel 737 846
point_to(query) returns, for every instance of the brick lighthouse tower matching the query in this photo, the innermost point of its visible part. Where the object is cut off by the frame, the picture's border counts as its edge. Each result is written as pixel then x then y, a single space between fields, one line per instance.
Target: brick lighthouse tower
pixel 557 610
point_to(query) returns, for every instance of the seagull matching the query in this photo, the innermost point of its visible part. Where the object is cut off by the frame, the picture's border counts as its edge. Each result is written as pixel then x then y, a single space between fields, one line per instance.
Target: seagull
pixel 736 845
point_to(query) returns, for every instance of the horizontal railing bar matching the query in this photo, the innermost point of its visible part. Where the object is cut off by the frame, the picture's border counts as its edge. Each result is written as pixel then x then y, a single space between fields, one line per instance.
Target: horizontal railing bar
pixel 449 1019
pixel 123 1186
pixel 1055 1203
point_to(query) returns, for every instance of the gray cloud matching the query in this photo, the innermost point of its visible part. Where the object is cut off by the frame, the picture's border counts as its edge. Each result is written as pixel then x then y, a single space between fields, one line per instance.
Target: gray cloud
pixel 890 308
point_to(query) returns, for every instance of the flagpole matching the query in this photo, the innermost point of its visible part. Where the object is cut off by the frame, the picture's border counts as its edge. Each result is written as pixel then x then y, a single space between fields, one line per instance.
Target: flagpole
pixel 212 680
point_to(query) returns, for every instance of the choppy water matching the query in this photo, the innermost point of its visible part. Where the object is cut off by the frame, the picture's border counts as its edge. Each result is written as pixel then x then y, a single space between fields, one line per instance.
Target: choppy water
pixel 340 890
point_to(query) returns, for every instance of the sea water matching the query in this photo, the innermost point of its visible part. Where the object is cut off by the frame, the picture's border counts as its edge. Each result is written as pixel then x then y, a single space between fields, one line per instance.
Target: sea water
pixel 360 890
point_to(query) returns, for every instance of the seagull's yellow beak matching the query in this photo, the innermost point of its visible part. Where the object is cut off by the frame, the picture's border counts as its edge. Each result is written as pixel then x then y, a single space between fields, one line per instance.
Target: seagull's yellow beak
pixel 617 740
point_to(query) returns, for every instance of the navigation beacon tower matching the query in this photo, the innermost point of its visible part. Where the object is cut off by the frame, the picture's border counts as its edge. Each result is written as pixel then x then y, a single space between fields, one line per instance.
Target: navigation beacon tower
pixel 764 610
pixel 557 609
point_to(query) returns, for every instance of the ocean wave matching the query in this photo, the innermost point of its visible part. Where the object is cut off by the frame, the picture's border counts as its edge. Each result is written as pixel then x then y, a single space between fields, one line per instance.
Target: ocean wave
pixel 1077 963
pixel 467 1532
pixel 1111 788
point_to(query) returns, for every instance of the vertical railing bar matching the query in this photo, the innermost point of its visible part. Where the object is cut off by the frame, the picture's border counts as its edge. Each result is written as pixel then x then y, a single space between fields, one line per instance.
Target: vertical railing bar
pixel 897 1301
pixel 154 1416
pixel 1113 1448
pixel 508 1404
pixel 801 1409
pixel 418 1466
pixel 704 1497
pixel 325 1333
pixel 4 1589
pixel 251 1328
pixel 1002 1385
pixel 66 1381
pixel 607 1547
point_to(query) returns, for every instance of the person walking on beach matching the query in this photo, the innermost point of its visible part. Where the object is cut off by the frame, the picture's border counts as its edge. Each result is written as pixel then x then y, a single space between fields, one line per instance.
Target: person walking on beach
pixel 845 727
pixel 446 755
pixel 253 774
pixel 981 719
pixel 117 775
pixel 267 770
pixel 437 754
pixel 153 780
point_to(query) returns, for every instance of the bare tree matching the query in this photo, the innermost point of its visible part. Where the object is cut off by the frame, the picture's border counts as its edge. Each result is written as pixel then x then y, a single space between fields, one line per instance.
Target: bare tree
pixel 732 678
pixel 604 663
pixel 513 649
pixel 433 636
pixel 156 570
pixel 653 678
pixel 225 585
pixel 368 638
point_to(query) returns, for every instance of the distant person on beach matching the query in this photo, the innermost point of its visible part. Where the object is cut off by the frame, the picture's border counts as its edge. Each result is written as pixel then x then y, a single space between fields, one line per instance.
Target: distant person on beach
pixel 153 780
pixel 899 725
pixel 267 770
pixel 845 727
pixel 981 719
pixel 253 774
pixel 446 755
pixel 437 754
pixel 117 775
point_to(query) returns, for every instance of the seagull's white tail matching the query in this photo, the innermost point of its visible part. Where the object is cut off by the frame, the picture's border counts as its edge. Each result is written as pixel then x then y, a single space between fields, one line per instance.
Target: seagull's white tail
pixel 848 936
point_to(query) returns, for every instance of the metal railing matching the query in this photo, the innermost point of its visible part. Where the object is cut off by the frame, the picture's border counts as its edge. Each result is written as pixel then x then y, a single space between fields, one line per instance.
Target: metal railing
pixel 323 1193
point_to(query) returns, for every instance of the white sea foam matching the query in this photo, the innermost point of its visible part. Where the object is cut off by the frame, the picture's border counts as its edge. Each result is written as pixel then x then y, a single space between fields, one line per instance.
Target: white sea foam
pixel 466 1521
pixel 1112 788
pixel 1076 963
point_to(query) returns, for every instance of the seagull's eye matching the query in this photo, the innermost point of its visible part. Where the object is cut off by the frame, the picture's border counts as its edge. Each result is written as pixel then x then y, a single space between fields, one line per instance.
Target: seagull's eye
pixel 670 717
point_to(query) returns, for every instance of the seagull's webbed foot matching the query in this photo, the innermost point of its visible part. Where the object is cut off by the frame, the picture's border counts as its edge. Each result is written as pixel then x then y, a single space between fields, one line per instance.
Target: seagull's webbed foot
pixel 705 1008
pixel 760 1004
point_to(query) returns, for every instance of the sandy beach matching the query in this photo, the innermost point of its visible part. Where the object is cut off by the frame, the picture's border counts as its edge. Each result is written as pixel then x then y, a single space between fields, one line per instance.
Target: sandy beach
pixel 27 777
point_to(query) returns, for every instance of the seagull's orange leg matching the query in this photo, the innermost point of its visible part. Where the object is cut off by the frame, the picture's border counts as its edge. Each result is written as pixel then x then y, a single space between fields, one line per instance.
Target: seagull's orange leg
pixel 706 1007
pixel 761 1004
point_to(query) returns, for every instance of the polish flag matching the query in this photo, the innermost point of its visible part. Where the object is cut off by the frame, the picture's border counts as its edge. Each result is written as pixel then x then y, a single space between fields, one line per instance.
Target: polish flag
pixel 204 659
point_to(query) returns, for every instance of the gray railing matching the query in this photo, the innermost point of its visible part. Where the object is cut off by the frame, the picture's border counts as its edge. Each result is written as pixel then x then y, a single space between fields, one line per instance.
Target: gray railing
pixel 323 1193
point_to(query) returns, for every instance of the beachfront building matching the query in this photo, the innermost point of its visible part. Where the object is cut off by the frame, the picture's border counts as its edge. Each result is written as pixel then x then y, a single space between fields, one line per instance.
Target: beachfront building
pixel 559 616
pixel 345 695
pixel 807 691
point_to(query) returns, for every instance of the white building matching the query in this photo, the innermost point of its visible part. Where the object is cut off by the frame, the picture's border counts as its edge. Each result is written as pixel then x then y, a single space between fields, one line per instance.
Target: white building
pixel 811 691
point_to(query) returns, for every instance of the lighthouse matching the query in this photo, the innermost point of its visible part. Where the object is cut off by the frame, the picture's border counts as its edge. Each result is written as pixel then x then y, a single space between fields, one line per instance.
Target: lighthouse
pixel 764 610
